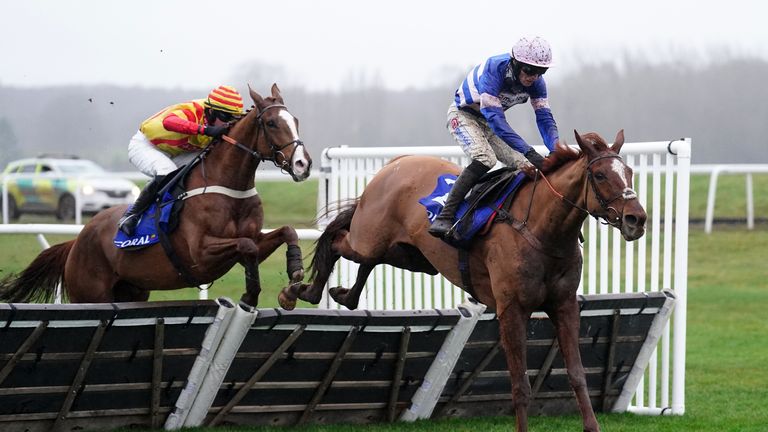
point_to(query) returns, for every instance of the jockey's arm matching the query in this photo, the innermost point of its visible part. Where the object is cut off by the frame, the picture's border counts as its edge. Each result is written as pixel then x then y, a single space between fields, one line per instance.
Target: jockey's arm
pixel 177 124
pixel 545 122
pixel 544 119
pixel 491 108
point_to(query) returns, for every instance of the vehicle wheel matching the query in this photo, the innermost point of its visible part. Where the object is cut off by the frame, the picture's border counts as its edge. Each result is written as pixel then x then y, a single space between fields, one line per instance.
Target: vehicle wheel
pixel 13 209
pixel 66 209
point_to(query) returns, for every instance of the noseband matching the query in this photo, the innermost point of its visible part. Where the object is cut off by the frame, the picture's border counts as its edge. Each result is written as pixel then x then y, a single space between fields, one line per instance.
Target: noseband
pixel 275 150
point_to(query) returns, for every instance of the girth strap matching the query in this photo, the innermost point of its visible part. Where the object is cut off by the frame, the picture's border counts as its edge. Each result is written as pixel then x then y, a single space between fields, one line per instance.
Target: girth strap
pixel 466 276
pixel 171 253
pixel 232 193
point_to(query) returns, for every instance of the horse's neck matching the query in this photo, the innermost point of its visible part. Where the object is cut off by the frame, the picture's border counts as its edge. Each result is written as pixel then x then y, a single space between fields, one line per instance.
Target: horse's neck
pixel 554 220
pixel 230 166
pixel 226 165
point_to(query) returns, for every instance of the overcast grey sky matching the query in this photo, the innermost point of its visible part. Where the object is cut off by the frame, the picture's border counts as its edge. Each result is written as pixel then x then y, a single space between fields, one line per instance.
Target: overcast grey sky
pixel 320 44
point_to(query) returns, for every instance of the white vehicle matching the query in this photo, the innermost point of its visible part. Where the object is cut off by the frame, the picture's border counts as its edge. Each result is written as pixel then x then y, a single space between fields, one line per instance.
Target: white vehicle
pixel 53 185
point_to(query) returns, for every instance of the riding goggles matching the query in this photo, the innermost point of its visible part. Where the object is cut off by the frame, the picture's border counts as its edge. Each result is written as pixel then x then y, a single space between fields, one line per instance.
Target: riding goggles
pixel 531 70
pixel 224 116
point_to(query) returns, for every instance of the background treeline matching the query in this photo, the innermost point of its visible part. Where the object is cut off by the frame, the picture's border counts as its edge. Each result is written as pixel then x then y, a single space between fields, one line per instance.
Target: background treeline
pixel 722 106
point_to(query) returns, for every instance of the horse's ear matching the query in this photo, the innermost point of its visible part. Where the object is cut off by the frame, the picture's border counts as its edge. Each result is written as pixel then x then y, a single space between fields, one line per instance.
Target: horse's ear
pixel 618 142
pixel 276 91
pixel 585 147
pixel 578 137
pixel 255 96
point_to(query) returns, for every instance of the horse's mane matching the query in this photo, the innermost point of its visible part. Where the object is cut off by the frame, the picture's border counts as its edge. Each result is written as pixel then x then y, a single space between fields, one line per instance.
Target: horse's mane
pixel 557 158
pixel 564 153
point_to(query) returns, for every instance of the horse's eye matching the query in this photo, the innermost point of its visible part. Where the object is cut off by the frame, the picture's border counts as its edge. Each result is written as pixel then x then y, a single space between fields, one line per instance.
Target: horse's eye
pixel 599 176
pixel 271 123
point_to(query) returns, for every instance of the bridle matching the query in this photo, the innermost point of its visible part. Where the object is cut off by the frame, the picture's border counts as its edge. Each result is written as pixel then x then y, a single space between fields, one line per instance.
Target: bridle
pixel 605 203
pixel 275 150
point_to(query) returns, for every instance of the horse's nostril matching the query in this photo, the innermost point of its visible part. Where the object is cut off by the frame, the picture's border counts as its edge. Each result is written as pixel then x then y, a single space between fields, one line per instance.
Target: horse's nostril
pixel 630 220
pixel 299 164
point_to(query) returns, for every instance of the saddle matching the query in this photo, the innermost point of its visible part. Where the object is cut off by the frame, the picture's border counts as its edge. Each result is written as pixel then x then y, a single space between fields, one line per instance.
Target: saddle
pixel 494 192
pixel 161 215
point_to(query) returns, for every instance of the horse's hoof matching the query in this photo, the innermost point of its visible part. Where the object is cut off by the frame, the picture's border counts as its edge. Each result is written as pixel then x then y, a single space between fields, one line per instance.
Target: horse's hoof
pixel 285 302
pixel 297 276
pixel 339 295
pixel 334 293
pixel 246 306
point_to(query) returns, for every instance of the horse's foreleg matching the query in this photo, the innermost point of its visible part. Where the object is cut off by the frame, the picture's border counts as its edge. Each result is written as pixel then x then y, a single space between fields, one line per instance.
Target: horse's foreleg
pixel 242 249
pixel 252 283
pixel 249 253
pixel 126 292
pixel 566 319
pixel 269 242
pixel 513 323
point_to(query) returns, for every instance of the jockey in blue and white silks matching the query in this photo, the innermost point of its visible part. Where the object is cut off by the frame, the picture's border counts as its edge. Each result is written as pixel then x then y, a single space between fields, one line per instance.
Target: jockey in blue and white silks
pixel 491 88
pixel 476 117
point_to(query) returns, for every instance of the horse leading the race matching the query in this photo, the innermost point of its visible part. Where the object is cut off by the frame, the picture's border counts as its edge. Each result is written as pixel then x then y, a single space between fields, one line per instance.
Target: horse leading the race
pixel 216 230
pixel 532 262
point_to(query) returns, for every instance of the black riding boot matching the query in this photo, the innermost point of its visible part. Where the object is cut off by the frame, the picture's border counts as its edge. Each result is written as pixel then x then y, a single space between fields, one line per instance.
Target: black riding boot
pixel 467 179
pixel 130 219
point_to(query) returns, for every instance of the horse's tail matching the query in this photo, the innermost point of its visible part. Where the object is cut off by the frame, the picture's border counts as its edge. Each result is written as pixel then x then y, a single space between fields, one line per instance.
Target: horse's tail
pixel 37 283
pixel 324 258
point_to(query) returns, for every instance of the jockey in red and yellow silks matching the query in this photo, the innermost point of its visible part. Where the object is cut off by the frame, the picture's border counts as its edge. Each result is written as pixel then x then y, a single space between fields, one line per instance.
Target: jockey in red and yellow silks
pixel 178 128
pixel 173 137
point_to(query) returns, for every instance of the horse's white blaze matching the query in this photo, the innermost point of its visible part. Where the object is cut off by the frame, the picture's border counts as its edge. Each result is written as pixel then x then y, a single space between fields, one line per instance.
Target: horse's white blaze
pixel 618 167
pixel 300 160
pixel 290 121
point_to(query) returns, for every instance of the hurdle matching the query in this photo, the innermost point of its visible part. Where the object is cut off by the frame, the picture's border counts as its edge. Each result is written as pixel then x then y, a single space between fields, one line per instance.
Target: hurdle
pixel 202 362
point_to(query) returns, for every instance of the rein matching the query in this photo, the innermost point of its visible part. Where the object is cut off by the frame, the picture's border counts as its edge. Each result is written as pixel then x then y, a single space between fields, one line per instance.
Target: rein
pixel 522 226
pixel 604 203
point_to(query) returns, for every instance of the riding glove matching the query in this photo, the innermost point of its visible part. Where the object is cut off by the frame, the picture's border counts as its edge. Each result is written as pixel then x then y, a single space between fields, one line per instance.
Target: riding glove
pixel 535 158
pixel 214 131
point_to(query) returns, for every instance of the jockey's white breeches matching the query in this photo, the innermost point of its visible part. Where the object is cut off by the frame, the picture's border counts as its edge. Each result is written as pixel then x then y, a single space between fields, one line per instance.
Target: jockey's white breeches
pixel 152 161
pixel 479 142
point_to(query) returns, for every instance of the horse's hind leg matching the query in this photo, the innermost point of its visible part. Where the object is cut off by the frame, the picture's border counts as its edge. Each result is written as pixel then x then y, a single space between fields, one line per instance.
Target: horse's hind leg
pixel 311 293
pixel 566 319
pixel 326 255
pixel 89 276
pixel 351 297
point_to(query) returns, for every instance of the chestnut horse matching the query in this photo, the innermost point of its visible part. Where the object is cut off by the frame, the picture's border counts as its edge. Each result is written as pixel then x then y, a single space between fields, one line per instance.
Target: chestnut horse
pixel 531 263
pixel 216 230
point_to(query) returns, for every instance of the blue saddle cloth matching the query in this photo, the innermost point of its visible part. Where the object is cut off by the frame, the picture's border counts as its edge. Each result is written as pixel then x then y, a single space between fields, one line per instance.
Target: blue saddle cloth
pixel 480 213
pixel 146 231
